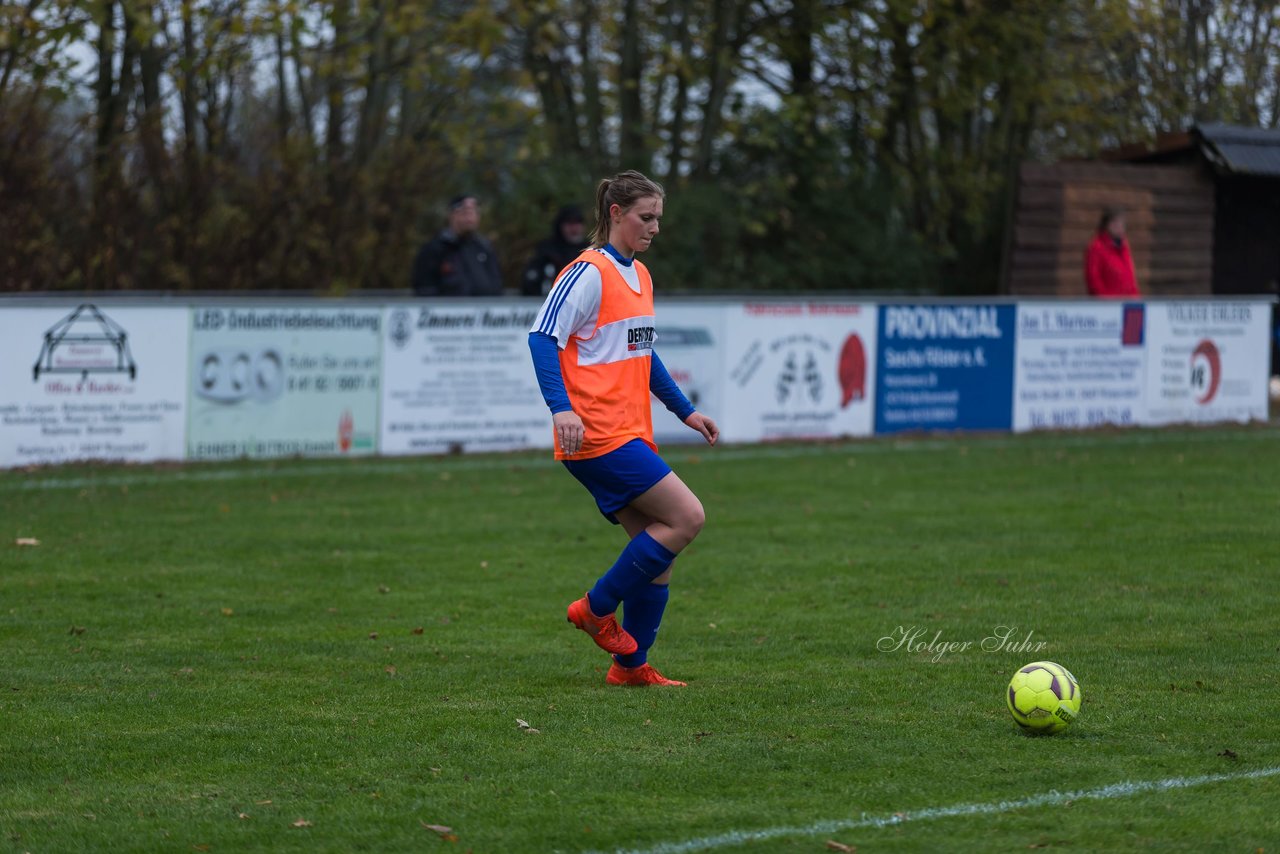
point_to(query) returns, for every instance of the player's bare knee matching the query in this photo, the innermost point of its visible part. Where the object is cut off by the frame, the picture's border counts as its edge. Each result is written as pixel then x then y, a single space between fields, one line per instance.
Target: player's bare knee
pixel 693 518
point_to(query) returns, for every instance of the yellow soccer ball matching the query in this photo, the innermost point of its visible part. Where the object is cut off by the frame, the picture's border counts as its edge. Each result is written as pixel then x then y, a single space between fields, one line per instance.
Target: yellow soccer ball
pixel 1044 697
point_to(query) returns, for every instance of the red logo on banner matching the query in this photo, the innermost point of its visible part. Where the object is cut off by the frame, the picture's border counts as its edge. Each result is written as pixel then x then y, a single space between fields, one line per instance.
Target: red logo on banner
pixel 1206 370
pixel 1131 325
pixel 853 371
pixel 346 426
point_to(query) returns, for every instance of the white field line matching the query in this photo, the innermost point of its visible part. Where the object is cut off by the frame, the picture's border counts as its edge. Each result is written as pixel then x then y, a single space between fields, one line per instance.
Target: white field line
pixel 272 469
pixel 1051 798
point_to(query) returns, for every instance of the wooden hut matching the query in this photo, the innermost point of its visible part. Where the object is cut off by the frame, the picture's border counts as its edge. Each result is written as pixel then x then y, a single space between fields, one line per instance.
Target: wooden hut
pixel 1168 212
pixel 1202 208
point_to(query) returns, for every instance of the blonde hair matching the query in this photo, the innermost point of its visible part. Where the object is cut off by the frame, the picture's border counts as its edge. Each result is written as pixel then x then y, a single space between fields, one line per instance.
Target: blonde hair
pixel 623 190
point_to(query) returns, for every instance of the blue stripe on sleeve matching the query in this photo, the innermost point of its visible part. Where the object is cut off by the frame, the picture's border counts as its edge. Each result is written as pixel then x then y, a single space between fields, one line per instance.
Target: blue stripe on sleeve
pixel 546 366
pixel 559 294
pixel 570 280
pixel 553 297
pixel 665 389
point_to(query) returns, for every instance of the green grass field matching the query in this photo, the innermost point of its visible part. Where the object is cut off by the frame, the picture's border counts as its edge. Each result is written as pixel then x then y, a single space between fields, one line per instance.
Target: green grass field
pixel 332 655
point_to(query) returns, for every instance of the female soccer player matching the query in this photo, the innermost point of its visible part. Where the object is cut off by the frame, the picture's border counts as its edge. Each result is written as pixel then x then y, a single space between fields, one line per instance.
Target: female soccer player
pixel 592 346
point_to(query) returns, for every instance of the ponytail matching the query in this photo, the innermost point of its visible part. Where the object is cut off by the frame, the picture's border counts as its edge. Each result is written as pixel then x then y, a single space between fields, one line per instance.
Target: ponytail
pixel 623 190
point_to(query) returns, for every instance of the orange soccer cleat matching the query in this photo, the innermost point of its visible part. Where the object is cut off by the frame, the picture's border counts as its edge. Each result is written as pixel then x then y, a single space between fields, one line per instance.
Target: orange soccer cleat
pixel 605 631
pixel 642 675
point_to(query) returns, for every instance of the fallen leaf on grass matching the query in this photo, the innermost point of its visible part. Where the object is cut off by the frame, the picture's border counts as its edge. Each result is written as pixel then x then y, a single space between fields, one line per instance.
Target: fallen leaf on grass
pixel 26 541
pixel 840 846
pixel 391 669
pixel 445 833
pixel 373 635
pixel 382 588
pixel 200 847
pixel 242 815
pixel 419 630
pixel 227 612
pixel 525 727
pixel 1230 754
pixel 302 822
pixel 77 630
pixel 262 803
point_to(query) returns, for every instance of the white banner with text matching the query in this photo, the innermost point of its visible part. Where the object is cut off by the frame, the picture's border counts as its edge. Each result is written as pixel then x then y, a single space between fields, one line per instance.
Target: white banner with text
pixel 92 381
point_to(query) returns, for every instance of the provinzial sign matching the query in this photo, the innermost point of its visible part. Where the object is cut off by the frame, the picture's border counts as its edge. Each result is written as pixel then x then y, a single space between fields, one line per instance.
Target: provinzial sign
pixel 283 380
pixel 459 377
pixel 945 367
pixel 90 382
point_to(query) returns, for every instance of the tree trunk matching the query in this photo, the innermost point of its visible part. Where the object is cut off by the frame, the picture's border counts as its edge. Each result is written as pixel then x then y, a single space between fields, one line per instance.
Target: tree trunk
pixel 112 95
pixel 306 104
pixel 722 53
pixel 592 106
pixel 373 109
pixel 798 51
pixel 542 59
pixel 283 119
pixel 151 126
pixel 902 119
pixel 335 88
pixel 680 103
pixel 634 152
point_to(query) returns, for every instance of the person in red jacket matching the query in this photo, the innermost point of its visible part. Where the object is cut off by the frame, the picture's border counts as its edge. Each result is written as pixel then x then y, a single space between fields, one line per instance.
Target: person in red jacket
pixel 1108 266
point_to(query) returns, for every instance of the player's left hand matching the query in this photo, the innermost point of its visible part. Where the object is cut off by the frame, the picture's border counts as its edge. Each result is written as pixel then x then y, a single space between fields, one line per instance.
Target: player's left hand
pixel 705 426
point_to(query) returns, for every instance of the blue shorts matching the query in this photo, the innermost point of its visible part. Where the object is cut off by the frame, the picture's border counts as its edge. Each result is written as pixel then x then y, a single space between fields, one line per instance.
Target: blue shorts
pixel 620 476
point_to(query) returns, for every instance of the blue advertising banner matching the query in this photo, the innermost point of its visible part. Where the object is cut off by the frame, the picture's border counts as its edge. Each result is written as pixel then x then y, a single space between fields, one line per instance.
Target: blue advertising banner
pixel 945 367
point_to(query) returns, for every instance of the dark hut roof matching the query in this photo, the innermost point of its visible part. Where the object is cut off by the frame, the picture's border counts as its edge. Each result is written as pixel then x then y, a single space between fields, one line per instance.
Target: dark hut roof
pixel 1242 150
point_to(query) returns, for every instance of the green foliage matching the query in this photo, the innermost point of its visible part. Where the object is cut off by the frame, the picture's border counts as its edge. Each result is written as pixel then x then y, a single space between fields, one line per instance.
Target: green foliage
pixel 754 228
pixel 805 145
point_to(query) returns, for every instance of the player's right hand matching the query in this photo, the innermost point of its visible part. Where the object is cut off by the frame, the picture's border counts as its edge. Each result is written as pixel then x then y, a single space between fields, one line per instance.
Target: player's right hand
pixel 705 426
pixel 568 430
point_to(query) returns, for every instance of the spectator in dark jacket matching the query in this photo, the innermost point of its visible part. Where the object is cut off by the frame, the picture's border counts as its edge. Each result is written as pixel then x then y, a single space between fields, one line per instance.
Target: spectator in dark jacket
pixel 568 239
pixel 1108 266
pixel 459 261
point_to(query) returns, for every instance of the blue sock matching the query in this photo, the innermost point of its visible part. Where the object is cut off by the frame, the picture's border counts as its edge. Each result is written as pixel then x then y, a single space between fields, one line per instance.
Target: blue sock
pixel 641 616
pixel 643 560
